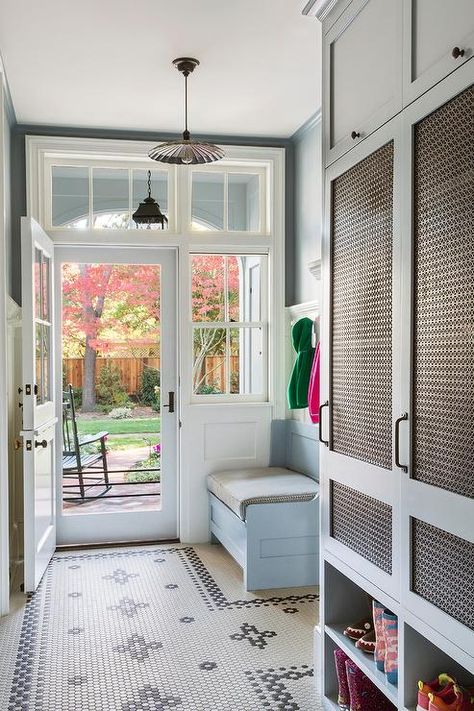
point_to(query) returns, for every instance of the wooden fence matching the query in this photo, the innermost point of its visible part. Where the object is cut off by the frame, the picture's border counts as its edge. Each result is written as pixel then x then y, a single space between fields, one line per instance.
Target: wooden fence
pixel 131 370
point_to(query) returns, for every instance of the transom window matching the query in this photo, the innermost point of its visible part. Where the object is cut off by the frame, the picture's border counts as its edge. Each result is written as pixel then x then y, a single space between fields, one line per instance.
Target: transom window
pixel 102 197
pixel 229 325
pixel 226 200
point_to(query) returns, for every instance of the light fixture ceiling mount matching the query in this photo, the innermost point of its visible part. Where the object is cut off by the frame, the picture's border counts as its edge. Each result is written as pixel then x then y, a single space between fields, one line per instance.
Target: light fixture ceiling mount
pixel 186 151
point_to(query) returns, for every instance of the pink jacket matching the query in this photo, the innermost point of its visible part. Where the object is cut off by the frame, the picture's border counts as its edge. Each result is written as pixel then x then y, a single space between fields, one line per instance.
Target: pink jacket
pixel 313 390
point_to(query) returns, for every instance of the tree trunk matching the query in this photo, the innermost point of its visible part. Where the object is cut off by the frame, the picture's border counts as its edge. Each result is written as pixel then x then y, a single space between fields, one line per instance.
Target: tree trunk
pixel 88 382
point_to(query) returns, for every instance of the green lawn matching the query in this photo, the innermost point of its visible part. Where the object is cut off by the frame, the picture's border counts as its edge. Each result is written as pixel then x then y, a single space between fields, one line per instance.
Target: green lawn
pixel 145 425
pixel 116 442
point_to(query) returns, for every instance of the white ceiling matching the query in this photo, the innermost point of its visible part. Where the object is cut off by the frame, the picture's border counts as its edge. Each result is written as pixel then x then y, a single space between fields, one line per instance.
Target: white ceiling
pixel 107 64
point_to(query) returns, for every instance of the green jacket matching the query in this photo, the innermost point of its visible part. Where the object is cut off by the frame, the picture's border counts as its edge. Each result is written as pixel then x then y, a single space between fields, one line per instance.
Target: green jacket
pixel 299 381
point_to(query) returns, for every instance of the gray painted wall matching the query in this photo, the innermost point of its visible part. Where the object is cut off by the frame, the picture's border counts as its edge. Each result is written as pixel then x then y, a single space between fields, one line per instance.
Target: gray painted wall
pixel 307 204
pixel 18 186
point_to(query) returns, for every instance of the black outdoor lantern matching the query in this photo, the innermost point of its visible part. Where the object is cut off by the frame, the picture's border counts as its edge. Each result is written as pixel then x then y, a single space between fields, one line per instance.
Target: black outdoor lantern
pixel 148 212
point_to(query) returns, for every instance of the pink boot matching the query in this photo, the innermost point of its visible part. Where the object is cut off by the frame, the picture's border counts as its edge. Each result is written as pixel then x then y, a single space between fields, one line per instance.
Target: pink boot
pixel 390 628
pixel 379 654
pixel 340 659
pixel 364 695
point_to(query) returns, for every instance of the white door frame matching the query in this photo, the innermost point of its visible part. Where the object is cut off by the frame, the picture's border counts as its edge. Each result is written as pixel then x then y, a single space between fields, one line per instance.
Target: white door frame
pixel 4 497
pixel 76 528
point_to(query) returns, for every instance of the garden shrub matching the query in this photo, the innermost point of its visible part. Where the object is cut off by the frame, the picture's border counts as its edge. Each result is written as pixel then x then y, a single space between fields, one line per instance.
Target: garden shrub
pixel 110 391
pixel 150 388
pixel 120 413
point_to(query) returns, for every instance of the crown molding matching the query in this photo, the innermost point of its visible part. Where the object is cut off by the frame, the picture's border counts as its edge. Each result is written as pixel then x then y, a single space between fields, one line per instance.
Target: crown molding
pixel 311 123
pixel 319 8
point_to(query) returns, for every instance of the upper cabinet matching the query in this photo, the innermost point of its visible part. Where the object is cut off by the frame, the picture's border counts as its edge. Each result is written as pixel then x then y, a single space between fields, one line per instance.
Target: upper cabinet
pixel 381 55
pixel 438 38
pixel 362 73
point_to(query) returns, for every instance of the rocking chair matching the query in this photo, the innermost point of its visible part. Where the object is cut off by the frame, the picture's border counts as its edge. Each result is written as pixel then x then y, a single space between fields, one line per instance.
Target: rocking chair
pixel 75 459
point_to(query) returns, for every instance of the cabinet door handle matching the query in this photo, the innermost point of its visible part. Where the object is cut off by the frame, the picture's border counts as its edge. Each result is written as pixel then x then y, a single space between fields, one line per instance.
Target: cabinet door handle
pixel 355 135
pixel 457 52
pixel 400 419
pixel 41 443
pixel 323 441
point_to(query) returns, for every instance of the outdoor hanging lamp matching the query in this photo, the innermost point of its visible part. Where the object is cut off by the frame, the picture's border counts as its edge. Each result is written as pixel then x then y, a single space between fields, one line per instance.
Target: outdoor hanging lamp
pixel 186 151
pixel 148 212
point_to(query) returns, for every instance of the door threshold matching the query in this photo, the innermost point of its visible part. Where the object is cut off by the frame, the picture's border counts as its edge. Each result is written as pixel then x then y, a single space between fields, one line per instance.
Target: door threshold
pixel 114 544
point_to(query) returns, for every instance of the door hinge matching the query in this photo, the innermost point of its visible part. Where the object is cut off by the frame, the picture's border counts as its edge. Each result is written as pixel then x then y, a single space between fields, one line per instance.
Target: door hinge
pixel 180 424
pixel 17 444
pixel 29 445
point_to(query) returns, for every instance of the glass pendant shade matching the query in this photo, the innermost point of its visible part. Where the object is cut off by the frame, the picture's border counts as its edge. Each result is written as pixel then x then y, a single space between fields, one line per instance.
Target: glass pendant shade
pixel 185 151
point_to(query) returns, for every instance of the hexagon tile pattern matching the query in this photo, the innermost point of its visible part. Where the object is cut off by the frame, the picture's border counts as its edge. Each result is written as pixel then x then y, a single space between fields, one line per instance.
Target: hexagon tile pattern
pixel 105 631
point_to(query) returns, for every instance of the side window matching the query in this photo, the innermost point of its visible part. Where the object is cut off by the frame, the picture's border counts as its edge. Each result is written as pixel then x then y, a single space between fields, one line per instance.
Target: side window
pixel 229 326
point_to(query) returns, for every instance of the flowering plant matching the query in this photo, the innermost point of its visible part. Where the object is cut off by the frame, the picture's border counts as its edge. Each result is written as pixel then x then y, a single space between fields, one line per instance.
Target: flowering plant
pixel 156 449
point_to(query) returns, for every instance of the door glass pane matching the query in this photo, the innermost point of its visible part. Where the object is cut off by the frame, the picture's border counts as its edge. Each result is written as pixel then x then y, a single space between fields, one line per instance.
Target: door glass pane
pixel 70 196
pixel 209 362
pixel 45 275
pixel 111 349
pixel 246 361
pixel 110 189
pixel 244 202
pixel 46 349
pixel 159 191
pixel 39 362
pixel 207 212
pixel 207 284
pixel 37 283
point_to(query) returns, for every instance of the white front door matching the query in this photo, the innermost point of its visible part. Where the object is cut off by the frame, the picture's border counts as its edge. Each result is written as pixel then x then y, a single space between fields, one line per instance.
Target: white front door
pixel 38 402
pixel 117 336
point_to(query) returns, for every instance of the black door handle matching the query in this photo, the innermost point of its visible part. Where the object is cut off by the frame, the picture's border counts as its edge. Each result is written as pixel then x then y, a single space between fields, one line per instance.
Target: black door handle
pixel 400 419
pixel 323 441
pixel 170 404
pixel 43 443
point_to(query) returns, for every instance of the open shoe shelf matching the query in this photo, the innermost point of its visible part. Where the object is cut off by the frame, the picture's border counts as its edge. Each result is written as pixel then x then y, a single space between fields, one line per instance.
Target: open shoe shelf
pixel 421 654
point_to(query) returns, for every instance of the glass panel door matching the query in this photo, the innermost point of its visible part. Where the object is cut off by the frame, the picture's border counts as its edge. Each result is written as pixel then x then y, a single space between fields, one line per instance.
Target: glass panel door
pixel 118 336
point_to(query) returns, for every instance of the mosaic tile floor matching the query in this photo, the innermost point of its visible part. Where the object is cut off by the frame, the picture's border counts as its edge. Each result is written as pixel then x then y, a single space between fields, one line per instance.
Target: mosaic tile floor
pixel 155 628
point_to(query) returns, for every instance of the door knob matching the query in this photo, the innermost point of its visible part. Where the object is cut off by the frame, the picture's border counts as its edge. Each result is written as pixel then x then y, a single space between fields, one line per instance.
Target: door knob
pixel 41 443
pixel 457 52
pixel 355 135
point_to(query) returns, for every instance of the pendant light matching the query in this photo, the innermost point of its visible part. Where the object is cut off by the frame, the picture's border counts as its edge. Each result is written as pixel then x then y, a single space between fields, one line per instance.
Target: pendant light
pixel 148 212
pixel 186 151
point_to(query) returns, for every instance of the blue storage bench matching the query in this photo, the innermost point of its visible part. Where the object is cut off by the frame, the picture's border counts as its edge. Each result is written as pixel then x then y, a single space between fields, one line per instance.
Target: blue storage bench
pixel 268 517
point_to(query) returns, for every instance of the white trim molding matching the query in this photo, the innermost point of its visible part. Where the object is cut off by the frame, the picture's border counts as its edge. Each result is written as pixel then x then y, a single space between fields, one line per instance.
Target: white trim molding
pixel 319 8
pixel 315 268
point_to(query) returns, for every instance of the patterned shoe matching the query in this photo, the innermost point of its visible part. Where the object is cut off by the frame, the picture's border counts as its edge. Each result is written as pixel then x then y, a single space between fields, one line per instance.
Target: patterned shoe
pixel 359 629
pixel 454 699
pixel 367 642
pixel 364 695
pixel 340 659
pixel 379 654
pixel 390 630
pixel 440 685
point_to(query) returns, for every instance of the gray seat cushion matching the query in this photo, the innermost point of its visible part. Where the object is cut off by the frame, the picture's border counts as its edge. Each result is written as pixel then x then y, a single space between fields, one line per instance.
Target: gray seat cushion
pixel 240 488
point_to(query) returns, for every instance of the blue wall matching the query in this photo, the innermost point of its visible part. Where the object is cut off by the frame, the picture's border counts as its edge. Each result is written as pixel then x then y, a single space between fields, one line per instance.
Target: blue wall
pixel 307 205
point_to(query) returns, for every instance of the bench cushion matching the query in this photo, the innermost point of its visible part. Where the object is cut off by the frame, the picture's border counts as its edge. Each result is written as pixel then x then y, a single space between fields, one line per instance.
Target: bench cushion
pixel 240 488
